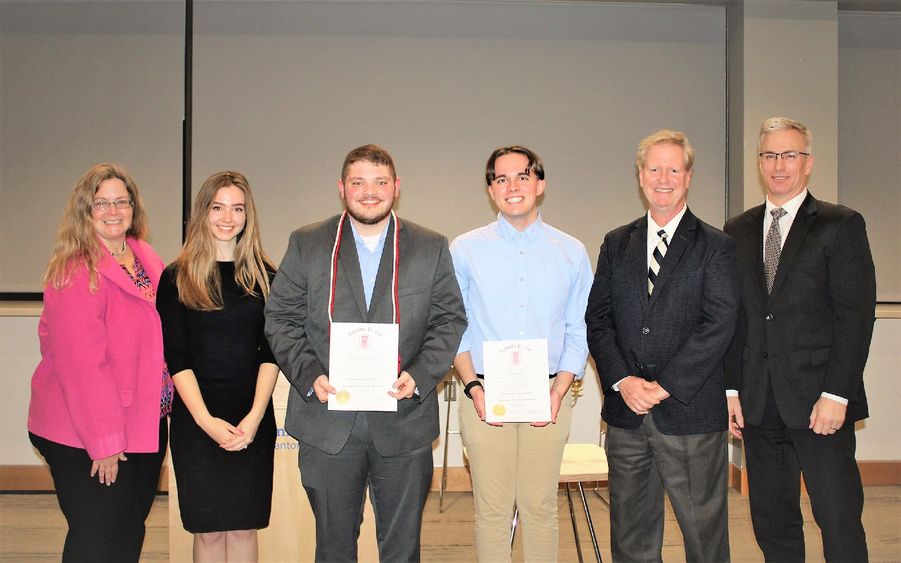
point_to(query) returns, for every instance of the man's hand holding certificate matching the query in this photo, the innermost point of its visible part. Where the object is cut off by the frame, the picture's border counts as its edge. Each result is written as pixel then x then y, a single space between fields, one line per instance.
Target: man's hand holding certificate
pixel 516 381
pixel 363 366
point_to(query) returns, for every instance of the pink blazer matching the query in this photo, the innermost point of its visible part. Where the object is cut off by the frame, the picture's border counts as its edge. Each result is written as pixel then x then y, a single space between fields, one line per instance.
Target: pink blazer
pixel 99 381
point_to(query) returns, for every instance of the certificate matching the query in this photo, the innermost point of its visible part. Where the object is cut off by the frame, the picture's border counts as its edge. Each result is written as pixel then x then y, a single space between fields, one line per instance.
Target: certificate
pixel 516 381
pixel 363 366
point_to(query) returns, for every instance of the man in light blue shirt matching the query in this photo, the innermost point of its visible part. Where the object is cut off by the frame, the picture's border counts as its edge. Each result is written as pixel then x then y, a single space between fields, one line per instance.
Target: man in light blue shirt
pixel 520 279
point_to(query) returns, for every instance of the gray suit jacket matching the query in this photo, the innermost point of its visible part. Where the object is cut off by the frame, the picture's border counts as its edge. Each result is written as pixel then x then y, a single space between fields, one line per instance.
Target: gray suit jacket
pixel 432 321
pixel 679 336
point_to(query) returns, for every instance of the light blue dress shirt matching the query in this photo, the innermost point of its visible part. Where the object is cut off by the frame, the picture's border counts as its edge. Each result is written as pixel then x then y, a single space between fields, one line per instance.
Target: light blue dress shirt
pixel 369 260
pixel 369 265
pixel 524 285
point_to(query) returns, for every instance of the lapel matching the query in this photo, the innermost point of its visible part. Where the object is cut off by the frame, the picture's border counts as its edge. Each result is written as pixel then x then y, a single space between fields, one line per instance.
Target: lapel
pixel 381 304
pixel 349 271
pixel 112 271
pixel 638 259
pixel 753 225
pixel 807 214
pixel 682 239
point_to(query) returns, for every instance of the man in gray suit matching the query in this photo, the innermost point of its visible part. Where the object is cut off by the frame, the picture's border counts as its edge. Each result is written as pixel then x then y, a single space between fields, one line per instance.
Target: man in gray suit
pixel 365 266
pixel 660 316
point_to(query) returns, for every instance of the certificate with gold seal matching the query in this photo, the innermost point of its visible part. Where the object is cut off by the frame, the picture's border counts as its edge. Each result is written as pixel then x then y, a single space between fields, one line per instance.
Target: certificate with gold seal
pixel 363 366
pixel 516 381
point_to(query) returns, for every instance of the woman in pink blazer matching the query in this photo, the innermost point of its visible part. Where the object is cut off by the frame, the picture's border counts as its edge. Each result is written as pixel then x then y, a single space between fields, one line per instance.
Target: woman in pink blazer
pixel 101 393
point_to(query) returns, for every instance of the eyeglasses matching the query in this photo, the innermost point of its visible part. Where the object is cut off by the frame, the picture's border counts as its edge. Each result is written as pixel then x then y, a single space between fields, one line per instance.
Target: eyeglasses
pixel 787 156
pixel 103 204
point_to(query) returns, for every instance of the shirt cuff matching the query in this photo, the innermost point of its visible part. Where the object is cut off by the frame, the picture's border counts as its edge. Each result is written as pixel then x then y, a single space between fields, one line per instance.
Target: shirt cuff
pixel 616 385
pixel 732 392
pixel 465 342
pixel 578 373
pixel 573 361
pixel 835 398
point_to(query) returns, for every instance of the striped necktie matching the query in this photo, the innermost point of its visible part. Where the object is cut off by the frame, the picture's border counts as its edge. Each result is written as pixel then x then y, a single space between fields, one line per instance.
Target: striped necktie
pixel 656 260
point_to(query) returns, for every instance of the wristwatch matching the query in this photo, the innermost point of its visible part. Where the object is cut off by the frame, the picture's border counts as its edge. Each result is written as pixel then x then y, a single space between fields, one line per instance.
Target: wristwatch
pixel 474 383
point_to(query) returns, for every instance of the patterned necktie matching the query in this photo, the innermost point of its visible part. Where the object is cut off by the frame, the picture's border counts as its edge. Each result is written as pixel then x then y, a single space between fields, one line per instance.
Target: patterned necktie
pixel 772 248
pixel 656 260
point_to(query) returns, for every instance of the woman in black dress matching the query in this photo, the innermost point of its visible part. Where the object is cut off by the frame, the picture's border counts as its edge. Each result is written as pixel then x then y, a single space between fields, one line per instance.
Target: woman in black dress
pixel 222 429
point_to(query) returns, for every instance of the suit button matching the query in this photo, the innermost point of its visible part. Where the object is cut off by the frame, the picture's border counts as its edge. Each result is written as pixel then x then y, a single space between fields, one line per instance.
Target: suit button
pixel 769 317
pixel 765 355
pixel 646 330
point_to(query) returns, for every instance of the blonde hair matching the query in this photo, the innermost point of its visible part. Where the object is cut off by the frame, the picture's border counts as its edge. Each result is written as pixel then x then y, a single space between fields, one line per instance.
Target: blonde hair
pixel 773 124
pixel 76 243
pixel 198 281
pixel 665 136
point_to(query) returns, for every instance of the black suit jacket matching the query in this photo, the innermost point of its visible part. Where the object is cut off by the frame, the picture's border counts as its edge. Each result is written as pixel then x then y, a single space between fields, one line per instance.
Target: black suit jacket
pixel 432 321
pixel 812 333
pixel 678 337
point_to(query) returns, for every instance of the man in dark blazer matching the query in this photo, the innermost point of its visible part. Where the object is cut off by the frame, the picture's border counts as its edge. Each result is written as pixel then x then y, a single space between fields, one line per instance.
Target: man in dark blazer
pixel 795 367
pixel 660 317
pixel 372 268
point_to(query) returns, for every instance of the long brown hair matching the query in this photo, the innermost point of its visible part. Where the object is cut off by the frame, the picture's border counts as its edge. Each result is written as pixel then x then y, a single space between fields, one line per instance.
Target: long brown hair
pixel 76 242
pixel 198 282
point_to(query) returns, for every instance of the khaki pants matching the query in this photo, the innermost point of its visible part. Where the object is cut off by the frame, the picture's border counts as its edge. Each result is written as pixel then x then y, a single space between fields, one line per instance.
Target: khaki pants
pixel 515 465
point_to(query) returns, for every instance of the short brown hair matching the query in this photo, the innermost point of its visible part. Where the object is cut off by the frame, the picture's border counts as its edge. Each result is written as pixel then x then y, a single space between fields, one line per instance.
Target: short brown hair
pixel 535 164
pixel 370 153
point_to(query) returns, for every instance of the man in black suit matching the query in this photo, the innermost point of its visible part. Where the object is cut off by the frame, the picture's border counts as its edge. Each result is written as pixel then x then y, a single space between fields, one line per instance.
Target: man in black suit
pixel 795 367
pixel 660 317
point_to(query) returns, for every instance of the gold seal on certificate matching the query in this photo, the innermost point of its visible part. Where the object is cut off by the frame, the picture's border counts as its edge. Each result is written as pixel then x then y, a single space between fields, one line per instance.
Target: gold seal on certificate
pixel 516 381
pixel 363 366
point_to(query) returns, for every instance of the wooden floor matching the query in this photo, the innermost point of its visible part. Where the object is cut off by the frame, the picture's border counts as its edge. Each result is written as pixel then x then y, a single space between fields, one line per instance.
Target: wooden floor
pixel 32 529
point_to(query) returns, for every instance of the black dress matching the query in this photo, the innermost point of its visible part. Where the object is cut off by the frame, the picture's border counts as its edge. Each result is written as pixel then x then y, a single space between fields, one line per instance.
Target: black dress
pixel 219 490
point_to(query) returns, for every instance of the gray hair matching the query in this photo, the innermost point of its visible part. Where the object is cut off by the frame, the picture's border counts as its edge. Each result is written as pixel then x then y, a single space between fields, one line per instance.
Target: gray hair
pixel 773 124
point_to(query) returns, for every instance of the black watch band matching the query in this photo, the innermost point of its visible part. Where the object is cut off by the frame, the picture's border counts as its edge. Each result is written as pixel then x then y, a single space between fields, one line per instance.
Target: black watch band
pixel 468 388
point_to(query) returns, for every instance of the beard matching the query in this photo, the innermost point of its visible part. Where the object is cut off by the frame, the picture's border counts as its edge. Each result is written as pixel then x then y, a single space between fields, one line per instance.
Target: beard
pixel 372 218
pixel 363 220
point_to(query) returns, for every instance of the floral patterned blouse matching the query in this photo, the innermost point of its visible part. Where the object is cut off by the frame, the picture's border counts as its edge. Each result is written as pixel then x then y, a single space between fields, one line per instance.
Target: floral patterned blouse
pixel 142 282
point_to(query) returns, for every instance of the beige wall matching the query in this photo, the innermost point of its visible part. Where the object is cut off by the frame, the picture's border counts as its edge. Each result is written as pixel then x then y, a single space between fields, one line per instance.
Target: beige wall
pixel 282 90
pixel 83 83
pixel 869 136
pixel 789 68
pixel 587 137
pixel 840 74
pixel 283 93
